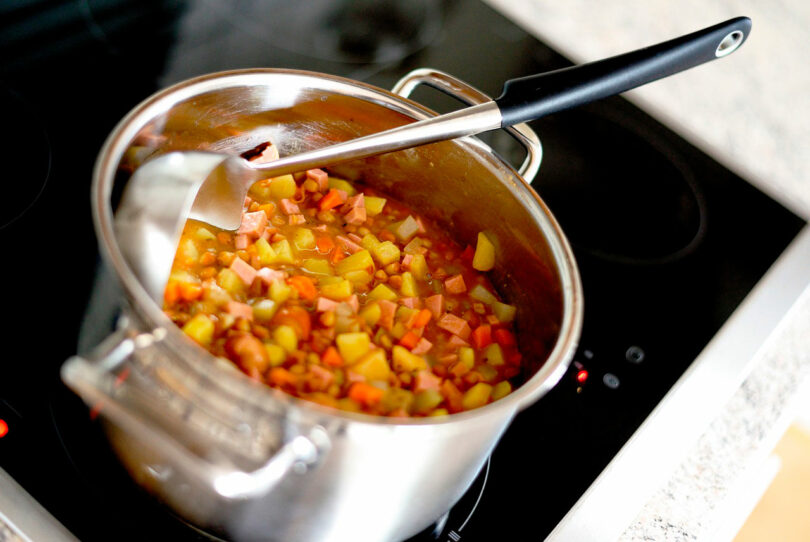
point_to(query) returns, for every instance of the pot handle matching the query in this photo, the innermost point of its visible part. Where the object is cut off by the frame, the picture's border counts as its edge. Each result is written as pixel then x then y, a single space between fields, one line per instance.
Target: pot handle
pixel 472 96
pixel 100 379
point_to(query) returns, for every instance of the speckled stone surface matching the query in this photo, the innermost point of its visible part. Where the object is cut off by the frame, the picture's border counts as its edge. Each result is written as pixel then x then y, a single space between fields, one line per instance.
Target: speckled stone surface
pixel 750 112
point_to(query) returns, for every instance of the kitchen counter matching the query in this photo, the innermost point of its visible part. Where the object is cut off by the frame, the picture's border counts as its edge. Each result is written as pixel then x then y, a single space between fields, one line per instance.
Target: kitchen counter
pixel 747 111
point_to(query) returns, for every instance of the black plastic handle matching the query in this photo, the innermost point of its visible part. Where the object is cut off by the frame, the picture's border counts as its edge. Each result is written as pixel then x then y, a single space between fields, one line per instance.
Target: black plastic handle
pixel 535 96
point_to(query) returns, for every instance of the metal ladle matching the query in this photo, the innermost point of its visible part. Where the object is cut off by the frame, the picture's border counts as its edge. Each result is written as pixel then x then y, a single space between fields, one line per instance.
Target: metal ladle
pixel 211 187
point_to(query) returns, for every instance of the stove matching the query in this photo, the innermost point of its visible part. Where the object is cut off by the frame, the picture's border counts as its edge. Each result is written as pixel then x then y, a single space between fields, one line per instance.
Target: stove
pixel 668 242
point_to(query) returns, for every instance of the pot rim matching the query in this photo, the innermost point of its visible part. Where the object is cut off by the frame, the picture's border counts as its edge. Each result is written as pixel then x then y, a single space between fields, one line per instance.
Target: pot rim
pixel 162 101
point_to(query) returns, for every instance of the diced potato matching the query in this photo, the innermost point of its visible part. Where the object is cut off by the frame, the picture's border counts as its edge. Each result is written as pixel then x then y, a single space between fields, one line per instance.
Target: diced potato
pixel 204 234
pixel 264 310
pixel 337 291
pixel 487 372
pixel 427 400
pixel 484 257
pixel 276 354
pixel 359 277
pixel 398 330
pixel 187 252
pixel 439 412
pixel 483 295
pixel 200 328
pixel 372 365
pixel 317 266
pixel 385 253
pixel 501 389
pixel 476 396
pixel 503 312
pixel 342 184
pixel 214 293
pixel 397 398
pixel 374 206
pixel 353 346
pixel 419 268
pixel 230 281
pixel 404 313
pixel 180 275
pixel 413 247
pixel 286 338
pixel 371 314
pixel 369 241
pixel 406 229
pixel 303 238
pixel 323 281
pixel 282 187
pixel 408 288
pixel 381 291
pixel 466 355
pixel 280 292
pixel 405 361
pixel 266 254
pixel 493 355
pixel 359 261
pixel 261 189
pixel 283 250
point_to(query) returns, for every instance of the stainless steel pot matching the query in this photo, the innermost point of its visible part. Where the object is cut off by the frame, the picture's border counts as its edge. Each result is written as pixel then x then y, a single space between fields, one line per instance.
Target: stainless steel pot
pixel 248 462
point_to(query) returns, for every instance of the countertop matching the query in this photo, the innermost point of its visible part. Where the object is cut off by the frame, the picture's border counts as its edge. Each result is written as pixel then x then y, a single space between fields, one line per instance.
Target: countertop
pixel 749 111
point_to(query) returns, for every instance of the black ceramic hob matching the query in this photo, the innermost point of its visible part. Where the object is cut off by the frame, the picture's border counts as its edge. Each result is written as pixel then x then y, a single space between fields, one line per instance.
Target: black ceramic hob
pixel 662 233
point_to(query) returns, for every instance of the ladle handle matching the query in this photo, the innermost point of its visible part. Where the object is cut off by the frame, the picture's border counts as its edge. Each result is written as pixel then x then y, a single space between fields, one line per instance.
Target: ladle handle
pixel 535 96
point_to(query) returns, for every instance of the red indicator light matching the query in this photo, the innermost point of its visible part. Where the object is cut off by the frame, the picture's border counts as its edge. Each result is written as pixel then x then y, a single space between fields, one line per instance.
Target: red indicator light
pixel 3 428
pixel 582 376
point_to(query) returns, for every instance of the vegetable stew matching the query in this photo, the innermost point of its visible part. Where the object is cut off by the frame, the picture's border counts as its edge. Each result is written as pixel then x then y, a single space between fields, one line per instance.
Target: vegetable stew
pixel 337 294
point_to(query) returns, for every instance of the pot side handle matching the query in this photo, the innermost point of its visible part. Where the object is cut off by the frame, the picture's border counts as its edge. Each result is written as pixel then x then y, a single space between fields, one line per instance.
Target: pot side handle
pixel 92 378
pixel 470 95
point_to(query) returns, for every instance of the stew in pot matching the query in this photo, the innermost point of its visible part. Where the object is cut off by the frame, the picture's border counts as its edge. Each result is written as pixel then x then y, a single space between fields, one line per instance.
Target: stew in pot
pixel 337 294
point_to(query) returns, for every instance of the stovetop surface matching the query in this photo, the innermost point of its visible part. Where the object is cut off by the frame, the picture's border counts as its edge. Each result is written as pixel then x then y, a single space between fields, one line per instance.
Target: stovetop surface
pixel 667 240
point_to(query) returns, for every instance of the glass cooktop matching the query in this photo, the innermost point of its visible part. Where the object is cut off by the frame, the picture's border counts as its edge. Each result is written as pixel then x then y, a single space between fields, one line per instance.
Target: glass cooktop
pixel 662 233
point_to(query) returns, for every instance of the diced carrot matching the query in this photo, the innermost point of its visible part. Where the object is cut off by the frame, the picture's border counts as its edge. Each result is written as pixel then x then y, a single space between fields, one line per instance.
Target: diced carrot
pixel 409 340
pixel 324 244
pixel 504 337
pixel 459 369
pixel 422 318
pixel 172 292
pixel 306 288
pixel 332 358
pixel 281 377
pixel 337 255
pixel 452 396
pixel 268 208
pixel 365 393
pixel 482 336
pixel 331 200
